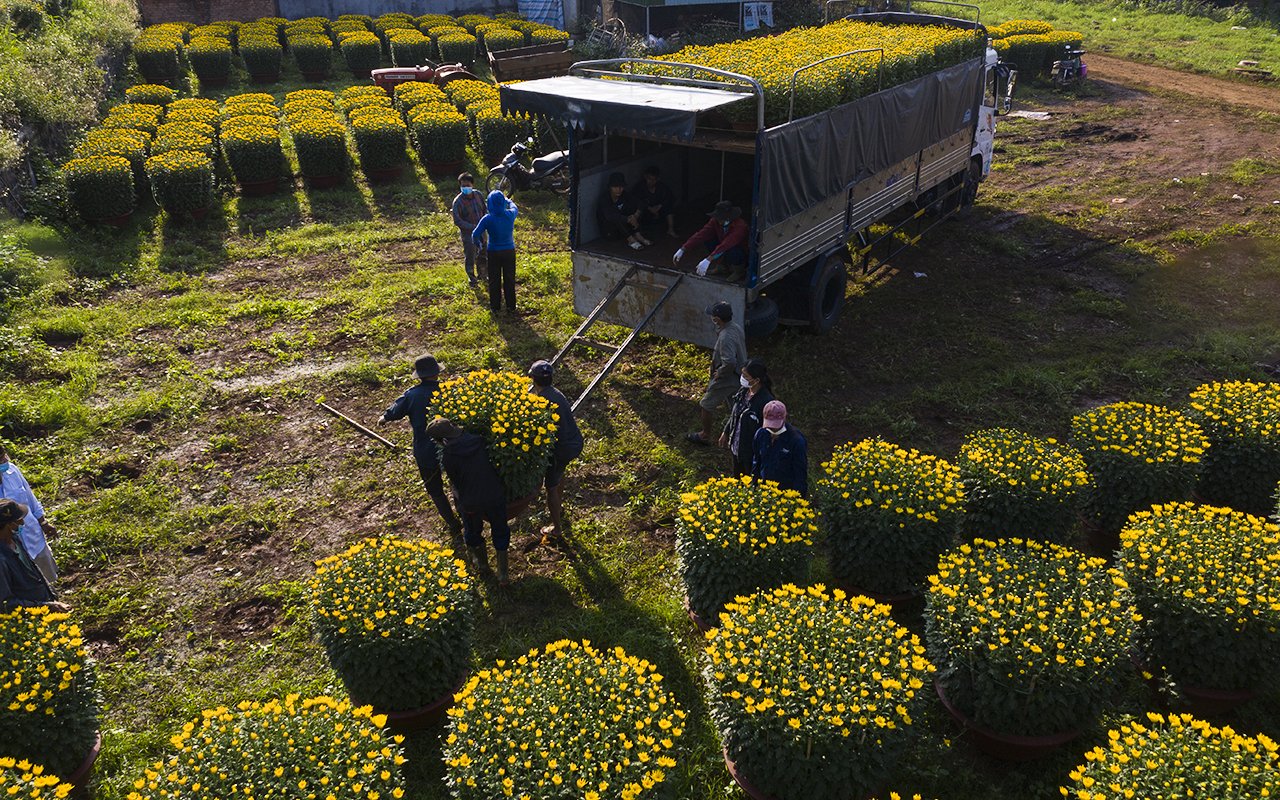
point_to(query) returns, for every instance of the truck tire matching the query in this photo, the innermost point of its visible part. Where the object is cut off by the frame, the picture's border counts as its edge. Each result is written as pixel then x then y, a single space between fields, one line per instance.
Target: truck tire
pixel 761 318
pixel 826 294
pixel 973 177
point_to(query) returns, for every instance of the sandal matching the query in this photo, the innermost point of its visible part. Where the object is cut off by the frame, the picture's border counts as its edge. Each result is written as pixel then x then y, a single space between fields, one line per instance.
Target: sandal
pixel 636 246
pixel 697 438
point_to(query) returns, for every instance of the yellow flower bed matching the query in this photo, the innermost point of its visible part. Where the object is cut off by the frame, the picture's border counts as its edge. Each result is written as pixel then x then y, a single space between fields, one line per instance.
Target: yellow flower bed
pixel 1207 582
pixel 910 51
pixel 564 721
pixel 1031 637
pixel 22 780
pixel 814 693
pixel 737 535
pixel 1177 756
pixel 1242 420
pixel 293 747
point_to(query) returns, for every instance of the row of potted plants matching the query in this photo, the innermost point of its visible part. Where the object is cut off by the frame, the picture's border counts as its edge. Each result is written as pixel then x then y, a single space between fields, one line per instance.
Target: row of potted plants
pixel 436 127
pixel 319 137
pixel 1032 45
pixel 379 132
pixel 492 132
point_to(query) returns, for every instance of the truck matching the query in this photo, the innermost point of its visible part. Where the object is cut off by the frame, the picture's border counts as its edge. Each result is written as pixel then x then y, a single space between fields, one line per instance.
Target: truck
pixel 811 188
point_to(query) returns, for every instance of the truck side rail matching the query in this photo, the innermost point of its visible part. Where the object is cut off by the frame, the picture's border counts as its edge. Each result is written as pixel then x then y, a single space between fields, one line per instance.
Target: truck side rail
pixel 734 82
pixel 791 102
pixel 865 7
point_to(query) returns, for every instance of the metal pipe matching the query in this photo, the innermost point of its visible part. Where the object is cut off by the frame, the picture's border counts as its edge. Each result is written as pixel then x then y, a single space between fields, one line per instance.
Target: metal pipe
pixel 791 104
pixel 362 429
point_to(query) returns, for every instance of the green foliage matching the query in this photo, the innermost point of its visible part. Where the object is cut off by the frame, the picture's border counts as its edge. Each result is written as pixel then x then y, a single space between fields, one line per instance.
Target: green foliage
pixel 457 48
pixel 157 52
pixel 439 133
pixel 1018 485
pixel 253 151
pixel 262 57
pixel 1030 638
pixel 320 142
pixel 1139 455
pixel 181 180
pixel 814 695
pixel 100 187
pixel 151 93
pixel 1034 53
pixel 1203 579
pixel 888 512
pixel 380 138
pixel 363 53
pixel 210 58
pixel 125 142
pixel 47 690
pixel 497 132
pixel 547 36
pixel 1242 421
pixel 396 618
pixel 502 38
pixel 561 719
pixel 312 54
pixel 409 48
pixel 735 536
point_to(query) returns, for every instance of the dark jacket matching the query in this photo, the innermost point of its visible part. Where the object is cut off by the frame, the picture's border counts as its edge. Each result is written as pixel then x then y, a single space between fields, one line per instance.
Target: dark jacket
pixel 21 583
pixel 568 437
pixel 613 212
pixel 416 405
pixel 475 482
pixel 744 420
pixel 660 196
pixel 784 459
pixel 499 223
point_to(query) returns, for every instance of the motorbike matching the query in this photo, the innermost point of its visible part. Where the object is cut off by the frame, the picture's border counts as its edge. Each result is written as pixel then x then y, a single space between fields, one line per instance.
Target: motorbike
pixel 547 172
pixel 1069 71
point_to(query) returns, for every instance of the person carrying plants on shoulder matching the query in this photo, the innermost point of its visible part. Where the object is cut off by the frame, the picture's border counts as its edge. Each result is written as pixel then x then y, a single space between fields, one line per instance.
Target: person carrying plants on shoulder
pixel 727 360
pixel 656 201
pixel 21 583
pixel 746 415
pixel 477 491
pixel 416 405
pixel 568 444
pixel 36 527
pixel 725 235
pixel 618 214
pixel 468 210
pixel 499 223
pixel 781 452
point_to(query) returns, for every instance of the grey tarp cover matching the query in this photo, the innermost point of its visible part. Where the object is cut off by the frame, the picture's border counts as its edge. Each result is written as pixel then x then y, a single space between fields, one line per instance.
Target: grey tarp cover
pixel 820 156
pixel 622 106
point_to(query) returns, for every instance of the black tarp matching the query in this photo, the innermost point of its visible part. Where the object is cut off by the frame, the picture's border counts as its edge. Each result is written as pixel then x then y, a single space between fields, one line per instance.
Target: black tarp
pixel 814 158
pixel 653 110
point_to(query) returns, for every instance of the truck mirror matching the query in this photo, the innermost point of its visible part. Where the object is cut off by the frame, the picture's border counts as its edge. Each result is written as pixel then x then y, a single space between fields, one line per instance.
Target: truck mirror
pixel 1008 76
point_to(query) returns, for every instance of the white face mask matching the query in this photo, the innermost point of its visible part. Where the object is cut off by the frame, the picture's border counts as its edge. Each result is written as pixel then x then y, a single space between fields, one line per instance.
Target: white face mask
pixel 746 384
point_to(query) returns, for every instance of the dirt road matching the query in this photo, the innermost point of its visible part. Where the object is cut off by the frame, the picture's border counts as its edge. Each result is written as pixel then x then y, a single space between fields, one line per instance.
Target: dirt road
pixel 1263 97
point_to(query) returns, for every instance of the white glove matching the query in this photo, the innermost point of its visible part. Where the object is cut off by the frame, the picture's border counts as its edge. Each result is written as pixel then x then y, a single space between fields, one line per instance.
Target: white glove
pixel 703 266
pixel 679 255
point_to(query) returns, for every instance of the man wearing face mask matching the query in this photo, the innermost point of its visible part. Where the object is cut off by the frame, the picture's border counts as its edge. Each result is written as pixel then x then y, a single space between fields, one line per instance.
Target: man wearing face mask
pixel 781 452
pixel 725 235
pixel 727 358
pixel 14 486
pixel 468 208
pixel 21 583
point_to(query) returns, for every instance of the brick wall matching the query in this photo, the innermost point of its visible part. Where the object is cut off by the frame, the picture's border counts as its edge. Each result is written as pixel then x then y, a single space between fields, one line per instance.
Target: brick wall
pixel 203 11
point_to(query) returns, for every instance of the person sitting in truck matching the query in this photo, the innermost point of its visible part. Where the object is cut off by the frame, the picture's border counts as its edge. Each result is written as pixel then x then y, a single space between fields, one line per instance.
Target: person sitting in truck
pixel 656 201
pixel 618 214
pixel 725 235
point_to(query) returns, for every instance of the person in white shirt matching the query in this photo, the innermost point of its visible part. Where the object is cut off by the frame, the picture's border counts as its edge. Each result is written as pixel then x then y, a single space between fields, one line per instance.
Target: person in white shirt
pixel 35 528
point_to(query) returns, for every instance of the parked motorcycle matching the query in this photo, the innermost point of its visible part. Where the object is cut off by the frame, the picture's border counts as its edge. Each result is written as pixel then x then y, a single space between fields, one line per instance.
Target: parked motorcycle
pixel 548 172
pixel 1069 71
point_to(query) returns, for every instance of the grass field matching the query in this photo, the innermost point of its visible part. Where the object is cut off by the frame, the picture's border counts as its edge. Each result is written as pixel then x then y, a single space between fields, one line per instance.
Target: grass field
pixel 163 379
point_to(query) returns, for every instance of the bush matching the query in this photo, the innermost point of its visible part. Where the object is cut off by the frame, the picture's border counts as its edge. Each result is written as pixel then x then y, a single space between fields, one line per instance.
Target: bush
pixel 100 187
pixel 157 54
pixel 499 39
pixel 210 59
pixel 834 689
pixel 363 52
pixel 1018 485
pixel 547 36
pixel 413 93
pixel 735 536
pixel 1139 455
pixel 364 20
pixel 322 98
pixel 380 139
pixel 353 104
pixel 889 513
pixel 427 21
pixel 1176 756
pixel 199 104
pixel 46 689
pixel 249 99
pixel 320 142
pixel 396 618
pixel 312 54
pixel 497 132
pixel 457 47
pixel 279 748
pixel 364 90
pixel 1242 421
pixel 22 780
pixel 134 115
pixel 409 48
pixel 189 140
pixel 124 142
pixel 538 749
pixel 253 151
pixel 472 21
pixel 1203 579
pixel 1029 638
pixel 262 57
pixel 1034 53
pixel 184 128
pixel 465 93
pixel 150 94
pixel 181 181
pixel 439 133
pixel 520 427
pixel 1017 27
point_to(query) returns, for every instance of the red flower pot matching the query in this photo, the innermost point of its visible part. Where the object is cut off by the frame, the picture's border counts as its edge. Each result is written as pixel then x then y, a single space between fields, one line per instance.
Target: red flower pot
pixel 384 175
pixel 444 169
pixel 80 778
pixel 315 77
pixel 1204 702
pixel 322 181
pixel 416 719
pixel 747 787
pixel 1003 746
pixel 259 188
pixel 213 83
pixel 265 77
pixel 885 599
pixel 118 221
pixel 517 507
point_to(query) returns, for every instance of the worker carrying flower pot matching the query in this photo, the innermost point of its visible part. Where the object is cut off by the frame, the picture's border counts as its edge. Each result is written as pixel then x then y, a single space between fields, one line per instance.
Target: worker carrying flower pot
pixel 725 236
pixel 477 491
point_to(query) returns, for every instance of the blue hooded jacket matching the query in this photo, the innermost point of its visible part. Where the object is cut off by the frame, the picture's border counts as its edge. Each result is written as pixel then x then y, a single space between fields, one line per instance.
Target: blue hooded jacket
pixel 500 223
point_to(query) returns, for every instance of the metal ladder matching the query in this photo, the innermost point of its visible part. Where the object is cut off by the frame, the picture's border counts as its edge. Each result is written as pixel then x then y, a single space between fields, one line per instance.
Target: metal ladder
pixel 615 351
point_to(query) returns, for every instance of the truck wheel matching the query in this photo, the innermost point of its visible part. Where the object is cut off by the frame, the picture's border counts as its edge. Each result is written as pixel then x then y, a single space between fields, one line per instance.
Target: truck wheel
pixel 969 194
pixel 826 294
pixel 761 318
